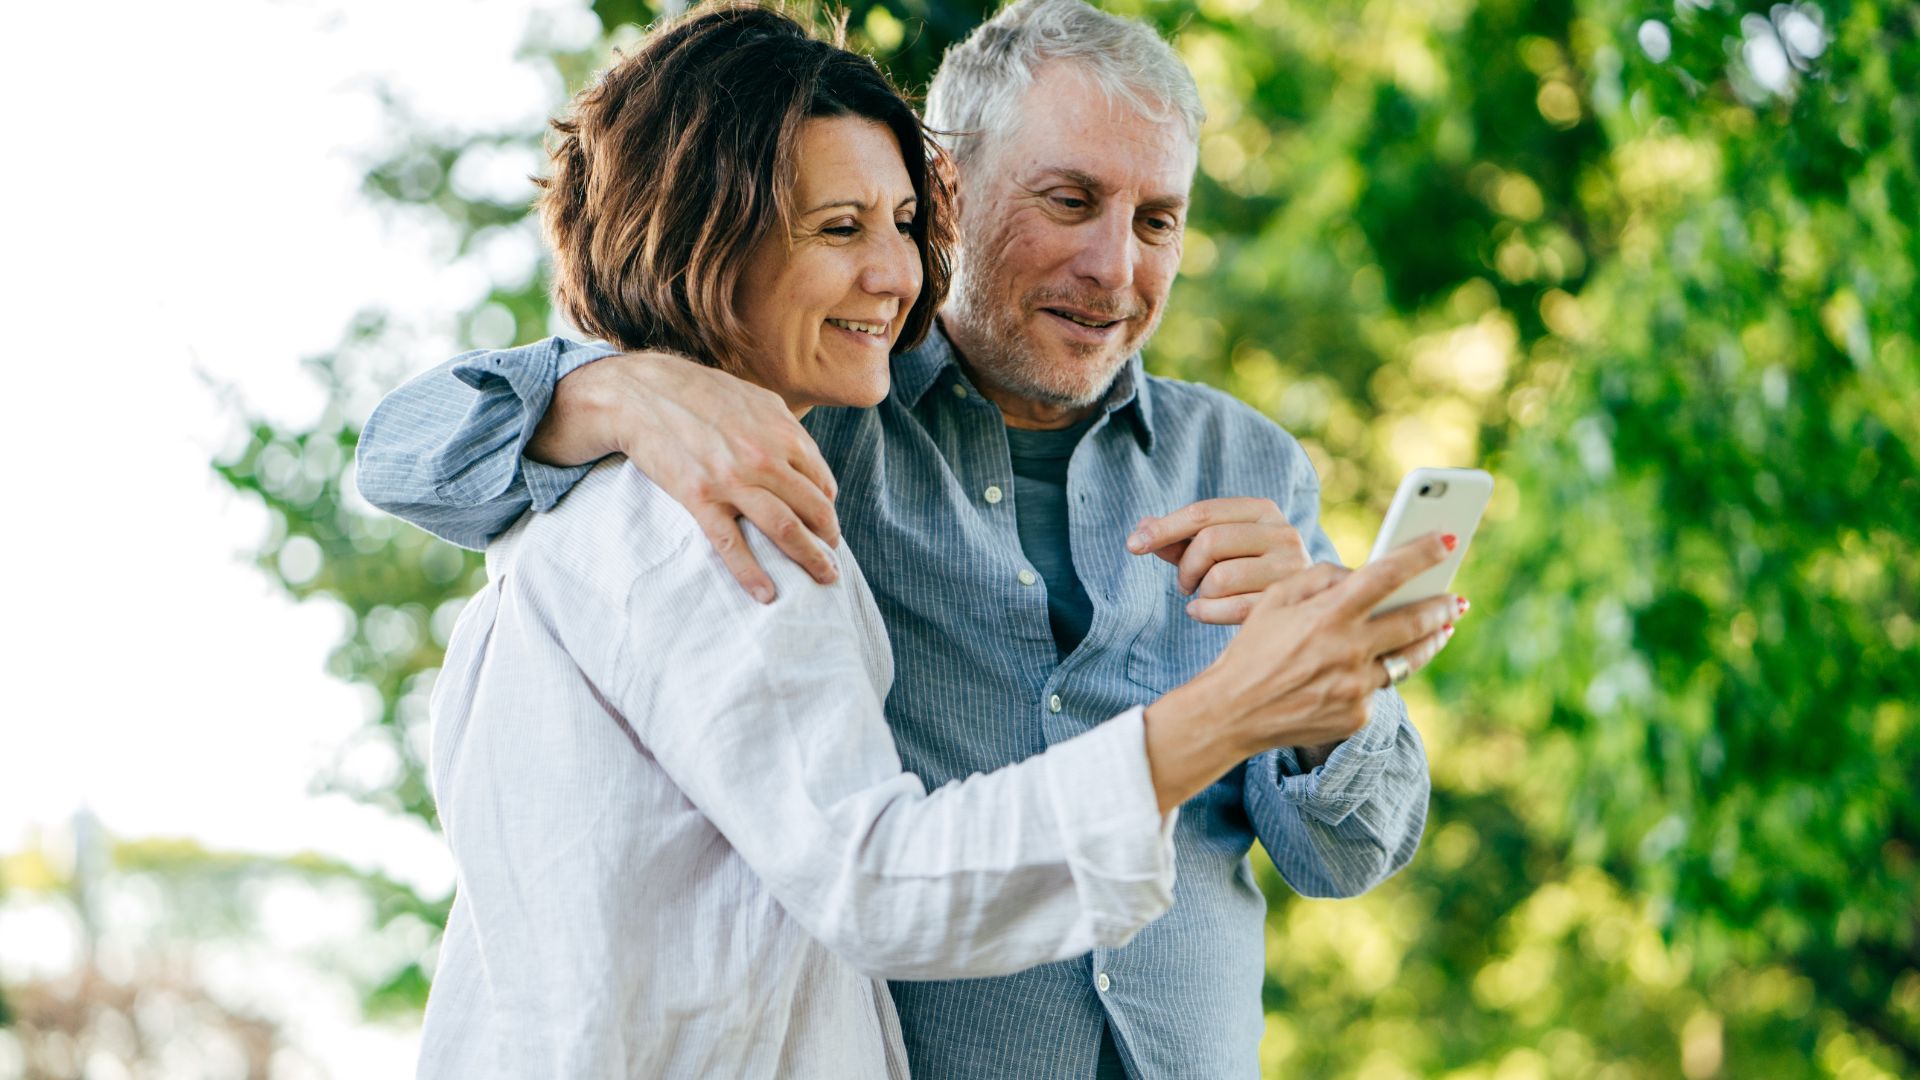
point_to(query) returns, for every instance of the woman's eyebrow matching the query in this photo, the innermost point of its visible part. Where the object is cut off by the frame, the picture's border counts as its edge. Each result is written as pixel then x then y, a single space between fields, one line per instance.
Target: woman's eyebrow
pixel 855 204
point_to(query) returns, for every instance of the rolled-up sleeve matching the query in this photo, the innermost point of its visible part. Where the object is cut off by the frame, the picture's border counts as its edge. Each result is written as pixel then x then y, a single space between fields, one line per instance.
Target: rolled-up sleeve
pixel 447 449
pixel 779 739
pixel 1352 822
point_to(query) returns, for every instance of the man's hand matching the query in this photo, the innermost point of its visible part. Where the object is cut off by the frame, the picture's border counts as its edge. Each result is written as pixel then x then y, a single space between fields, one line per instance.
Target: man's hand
pixel 719 446
pixel 1229 552
pixel 1301 669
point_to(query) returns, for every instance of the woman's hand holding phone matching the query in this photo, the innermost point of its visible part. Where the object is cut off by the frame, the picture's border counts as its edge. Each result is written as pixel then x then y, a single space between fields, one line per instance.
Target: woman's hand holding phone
pixel 1311 654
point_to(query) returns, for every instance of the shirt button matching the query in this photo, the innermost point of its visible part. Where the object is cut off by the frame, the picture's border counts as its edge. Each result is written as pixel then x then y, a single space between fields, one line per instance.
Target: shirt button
pixel 992 494
pixel 1027 577
pixel 959 391
pixel 1103 982
pixel 1053 703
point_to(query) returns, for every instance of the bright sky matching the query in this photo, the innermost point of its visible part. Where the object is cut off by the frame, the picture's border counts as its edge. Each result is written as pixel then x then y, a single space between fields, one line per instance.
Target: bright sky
pixel 181 197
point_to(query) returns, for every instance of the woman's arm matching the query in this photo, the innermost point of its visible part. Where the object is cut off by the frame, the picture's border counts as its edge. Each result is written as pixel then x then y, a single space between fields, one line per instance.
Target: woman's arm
pixel 768 720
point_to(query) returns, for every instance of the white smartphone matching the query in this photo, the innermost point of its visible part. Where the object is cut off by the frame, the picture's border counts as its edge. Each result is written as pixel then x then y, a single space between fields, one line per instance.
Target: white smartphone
pixel 1432 501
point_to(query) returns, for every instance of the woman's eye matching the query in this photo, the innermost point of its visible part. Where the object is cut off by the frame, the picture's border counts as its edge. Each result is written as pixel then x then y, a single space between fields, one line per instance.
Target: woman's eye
pixel 905 227
pixel 841 230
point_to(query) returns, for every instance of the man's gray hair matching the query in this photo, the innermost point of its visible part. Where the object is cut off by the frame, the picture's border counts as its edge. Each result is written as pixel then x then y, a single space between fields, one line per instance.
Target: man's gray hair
pixel 975 97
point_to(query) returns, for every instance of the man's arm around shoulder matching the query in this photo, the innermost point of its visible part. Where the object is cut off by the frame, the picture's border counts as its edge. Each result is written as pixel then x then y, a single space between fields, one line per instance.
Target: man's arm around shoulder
pixel 447 450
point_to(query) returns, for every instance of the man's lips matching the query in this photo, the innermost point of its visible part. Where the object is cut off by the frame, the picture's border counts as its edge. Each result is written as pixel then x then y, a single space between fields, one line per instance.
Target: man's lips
pixel 1091 320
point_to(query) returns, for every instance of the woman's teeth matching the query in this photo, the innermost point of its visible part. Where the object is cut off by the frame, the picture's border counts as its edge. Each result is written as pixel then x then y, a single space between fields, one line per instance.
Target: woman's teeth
pixel 873 328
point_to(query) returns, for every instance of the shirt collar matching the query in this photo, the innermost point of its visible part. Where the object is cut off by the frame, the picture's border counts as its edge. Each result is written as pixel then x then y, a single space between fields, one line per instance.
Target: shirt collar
pixel 928 364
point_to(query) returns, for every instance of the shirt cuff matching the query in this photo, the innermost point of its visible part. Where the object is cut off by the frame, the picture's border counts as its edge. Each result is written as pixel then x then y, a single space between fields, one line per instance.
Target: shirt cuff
pixel 529 375
pixel 1351 774
pixel 1119 847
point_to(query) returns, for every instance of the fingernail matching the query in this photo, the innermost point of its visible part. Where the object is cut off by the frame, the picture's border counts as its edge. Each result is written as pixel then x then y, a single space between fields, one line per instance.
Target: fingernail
pixel 1448 628
pixel 1137 542
pixel 1464 605
pixel 763 594
pixel 1449 631
pixel 1451 541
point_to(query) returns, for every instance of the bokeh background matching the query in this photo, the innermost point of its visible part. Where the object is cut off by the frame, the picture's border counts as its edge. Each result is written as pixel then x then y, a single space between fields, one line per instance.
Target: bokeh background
pixel 1653 264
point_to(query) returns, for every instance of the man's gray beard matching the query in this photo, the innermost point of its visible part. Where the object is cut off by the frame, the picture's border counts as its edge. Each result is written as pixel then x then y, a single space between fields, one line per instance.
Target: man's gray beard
pixel 1000 351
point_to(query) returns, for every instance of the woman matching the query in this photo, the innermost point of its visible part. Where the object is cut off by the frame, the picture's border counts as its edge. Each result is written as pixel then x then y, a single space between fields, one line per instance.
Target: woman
pixel 684 840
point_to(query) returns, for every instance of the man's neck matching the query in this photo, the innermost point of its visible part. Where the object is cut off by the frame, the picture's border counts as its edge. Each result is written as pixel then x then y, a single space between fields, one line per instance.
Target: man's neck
pixel 1017 411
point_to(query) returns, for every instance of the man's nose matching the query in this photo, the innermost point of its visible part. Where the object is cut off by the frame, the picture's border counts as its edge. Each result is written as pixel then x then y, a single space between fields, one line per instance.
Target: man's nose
pixel 1106 257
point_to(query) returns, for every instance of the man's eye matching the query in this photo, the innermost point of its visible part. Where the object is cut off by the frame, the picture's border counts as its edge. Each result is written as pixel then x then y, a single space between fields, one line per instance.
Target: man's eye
pixel 841 230
pixel 1160 228
pixel 1070 202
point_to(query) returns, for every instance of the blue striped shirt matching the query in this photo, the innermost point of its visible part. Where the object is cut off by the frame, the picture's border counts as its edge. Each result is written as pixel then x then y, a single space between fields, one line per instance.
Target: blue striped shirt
pixel 973 647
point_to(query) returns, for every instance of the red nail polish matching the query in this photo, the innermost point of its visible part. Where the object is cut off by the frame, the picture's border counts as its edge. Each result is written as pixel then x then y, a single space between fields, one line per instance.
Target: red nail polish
pixel 1448 628
pixel 1451 541
pixel 1464 605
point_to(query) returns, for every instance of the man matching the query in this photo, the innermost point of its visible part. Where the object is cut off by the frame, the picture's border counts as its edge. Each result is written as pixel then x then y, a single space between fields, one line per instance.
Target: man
pixel 1003 504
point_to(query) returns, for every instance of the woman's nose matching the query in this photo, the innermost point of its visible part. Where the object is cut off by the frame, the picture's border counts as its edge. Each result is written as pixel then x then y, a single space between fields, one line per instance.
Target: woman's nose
pixel 894 270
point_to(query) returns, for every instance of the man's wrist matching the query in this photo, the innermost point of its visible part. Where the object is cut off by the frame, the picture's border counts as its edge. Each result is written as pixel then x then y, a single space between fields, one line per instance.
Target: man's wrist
pixel 592 410
pixel 573 431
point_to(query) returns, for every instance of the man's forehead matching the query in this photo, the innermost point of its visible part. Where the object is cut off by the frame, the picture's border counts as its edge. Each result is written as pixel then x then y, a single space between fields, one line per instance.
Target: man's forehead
pixel 1071 128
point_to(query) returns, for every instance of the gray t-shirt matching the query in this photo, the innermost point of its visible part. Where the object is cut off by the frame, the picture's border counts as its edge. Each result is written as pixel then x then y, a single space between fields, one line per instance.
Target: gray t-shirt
pixel 1040 460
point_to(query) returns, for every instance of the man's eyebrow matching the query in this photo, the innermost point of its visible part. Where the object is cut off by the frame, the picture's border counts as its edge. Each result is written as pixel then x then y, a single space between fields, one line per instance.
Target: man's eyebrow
pixel 855 204
pixel 1073 176
pixel 1092 183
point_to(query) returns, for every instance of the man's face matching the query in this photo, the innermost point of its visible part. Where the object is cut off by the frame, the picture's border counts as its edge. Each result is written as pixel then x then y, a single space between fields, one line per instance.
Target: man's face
pixel 1070 238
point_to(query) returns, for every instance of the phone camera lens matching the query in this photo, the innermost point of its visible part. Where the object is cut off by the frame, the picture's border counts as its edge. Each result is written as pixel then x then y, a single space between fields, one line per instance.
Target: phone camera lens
pixel 1426 489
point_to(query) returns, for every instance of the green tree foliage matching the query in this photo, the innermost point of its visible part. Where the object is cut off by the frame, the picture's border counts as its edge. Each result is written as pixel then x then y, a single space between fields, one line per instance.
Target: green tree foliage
pixel 1653 265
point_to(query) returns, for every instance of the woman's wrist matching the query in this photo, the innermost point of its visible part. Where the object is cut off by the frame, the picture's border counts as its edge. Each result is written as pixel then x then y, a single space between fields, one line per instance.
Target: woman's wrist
pixel 1191 742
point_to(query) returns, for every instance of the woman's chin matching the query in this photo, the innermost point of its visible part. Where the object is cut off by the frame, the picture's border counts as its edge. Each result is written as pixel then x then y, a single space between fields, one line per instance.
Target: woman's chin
pixel 864 394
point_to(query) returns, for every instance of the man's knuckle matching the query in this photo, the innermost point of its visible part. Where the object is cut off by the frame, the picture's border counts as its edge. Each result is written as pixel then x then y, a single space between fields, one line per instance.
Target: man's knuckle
pixel 755 459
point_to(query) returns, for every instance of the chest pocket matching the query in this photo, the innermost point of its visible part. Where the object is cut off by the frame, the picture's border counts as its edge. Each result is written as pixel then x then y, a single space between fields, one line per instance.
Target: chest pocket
pixel 1172 646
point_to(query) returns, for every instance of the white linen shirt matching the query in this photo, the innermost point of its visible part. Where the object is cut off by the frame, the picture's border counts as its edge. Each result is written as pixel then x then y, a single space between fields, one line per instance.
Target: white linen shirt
pixel 684 840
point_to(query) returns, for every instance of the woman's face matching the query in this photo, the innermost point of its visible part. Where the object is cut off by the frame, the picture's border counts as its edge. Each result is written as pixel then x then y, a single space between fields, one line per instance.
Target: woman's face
pixel 824 304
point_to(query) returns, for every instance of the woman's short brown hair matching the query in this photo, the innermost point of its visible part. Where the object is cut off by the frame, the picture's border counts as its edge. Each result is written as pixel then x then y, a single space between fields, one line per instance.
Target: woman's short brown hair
pixel 673 166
